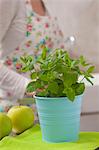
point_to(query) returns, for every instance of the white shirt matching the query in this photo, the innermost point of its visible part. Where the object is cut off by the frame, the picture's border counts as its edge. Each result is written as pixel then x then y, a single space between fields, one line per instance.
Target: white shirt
pixel 12 29
pixel 9 30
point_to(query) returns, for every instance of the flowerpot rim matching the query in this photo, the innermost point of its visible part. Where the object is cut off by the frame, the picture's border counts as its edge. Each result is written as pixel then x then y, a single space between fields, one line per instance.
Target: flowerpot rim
pixel 54 98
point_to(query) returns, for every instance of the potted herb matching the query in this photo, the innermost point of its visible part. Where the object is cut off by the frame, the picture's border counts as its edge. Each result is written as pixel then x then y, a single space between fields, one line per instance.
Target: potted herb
pixel 55 78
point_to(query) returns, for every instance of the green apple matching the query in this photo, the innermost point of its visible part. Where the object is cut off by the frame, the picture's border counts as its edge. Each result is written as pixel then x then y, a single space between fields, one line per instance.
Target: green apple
pixel 22 118
pixel 5 125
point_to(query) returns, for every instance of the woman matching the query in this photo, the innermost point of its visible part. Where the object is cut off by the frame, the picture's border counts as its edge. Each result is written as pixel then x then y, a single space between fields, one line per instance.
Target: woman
pixel 24 27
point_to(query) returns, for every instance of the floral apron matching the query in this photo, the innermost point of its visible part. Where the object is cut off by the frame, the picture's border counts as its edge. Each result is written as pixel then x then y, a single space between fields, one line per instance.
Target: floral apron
pixel 40 30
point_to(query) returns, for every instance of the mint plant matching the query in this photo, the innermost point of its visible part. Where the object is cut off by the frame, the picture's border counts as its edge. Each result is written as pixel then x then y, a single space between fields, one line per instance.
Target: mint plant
pixel 57 74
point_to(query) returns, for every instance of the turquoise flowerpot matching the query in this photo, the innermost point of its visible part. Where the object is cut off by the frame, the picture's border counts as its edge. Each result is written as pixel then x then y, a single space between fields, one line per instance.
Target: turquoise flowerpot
pixel 59 118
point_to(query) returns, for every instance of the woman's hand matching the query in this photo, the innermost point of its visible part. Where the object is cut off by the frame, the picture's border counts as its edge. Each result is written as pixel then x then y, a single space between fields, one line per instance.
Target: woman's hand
pixel 30 94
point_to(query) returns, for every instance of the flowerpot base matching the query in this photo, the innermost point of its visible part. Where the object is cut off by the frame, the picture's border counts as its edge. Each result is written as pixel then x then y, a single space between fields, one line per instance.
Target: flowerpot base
pixel 60 141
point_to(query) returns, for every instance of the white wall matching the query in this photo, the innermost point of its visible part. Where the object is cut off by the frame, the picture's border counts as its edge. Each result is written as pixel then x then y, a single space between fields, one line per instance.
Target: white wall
pixel 81 19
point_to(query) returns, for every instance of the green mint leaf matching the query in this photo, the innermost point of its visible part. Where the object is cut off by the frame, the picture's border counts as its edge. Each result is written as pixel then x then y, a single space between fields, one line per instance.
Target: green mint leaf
pixel 31 87
pixel 25 69
pixel 70 93
pixel 31 66
pixel 91 69
pixel 83 62
pixel 80 88
pixel 53 87
pixel 30 58
pixel 34 75
pixel 70 78
pixel 23 59
pixel 67 59
pixel 44 52
pixel 43 93
pixel 43 77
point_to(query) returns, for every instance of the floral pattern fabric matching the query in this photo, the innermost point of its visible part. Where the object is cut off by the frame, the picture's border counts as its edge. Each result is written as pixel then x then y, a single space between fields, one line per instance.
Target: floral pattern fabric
pixel 40 31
